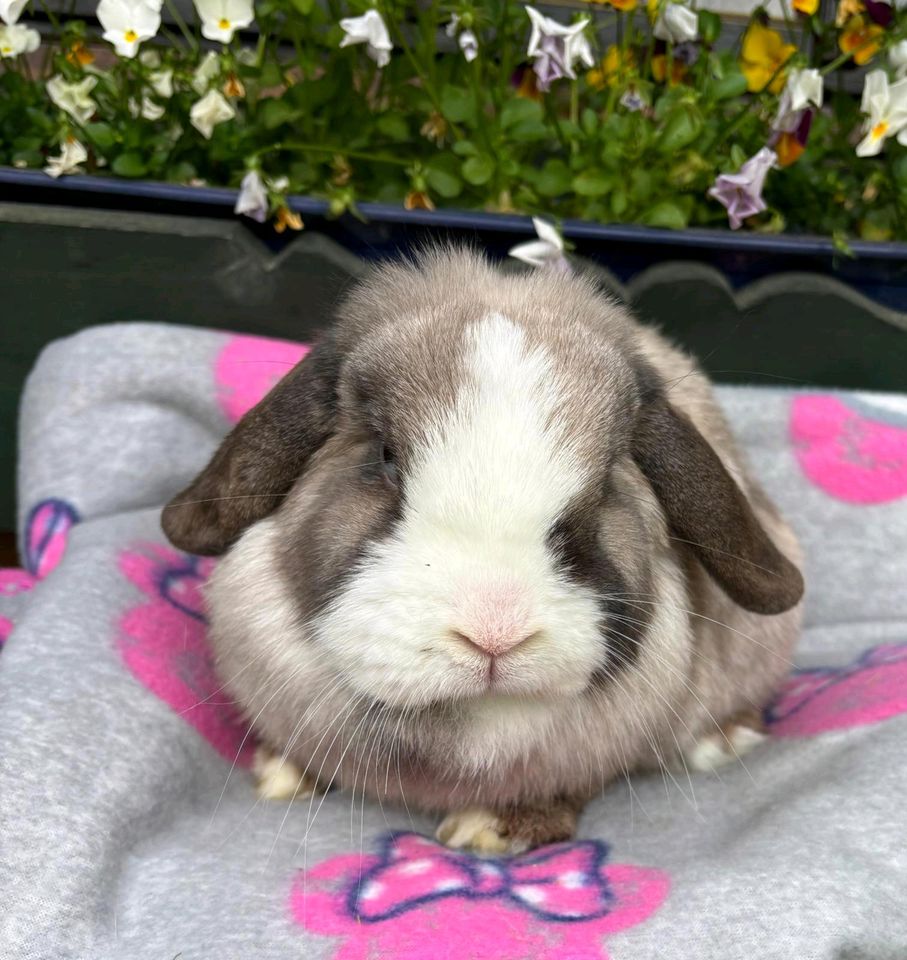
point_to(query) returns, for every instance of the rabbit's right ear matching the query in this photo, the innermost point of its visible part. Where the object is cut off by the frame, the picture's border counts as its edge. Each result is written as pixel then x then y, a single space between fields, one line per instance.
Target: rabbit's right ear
pixel 260 458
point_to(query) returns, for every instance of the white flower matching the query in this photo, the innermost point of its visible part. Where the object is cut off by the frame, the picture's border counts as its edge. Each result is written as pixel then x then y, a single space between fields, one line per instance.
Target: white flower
pixel 886 105
pixel 467 40
pixel 149 109
pixel 73 98
pixel 279 184
pixel 222 18
pixel 161 82
pixel 208 112
pixel 11 10
pixel 127 23
pixel 676 24
pixel 253 199
pixel 72 154
pixel 206 72
pixel 804 88
pixel 897 56
pixel 369 29
pixel 576 46
pixel 547 251
pixel 150 58
pixel 17 39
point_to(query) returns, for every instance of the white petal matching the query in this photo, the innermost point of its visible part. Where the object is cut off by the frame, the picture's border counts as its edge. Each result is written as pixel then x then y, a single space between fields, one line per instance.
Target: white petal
pixel 206 72
pixel 536 252
pixel 469 44
pixel 208 112
pixel 11 10
pixel 875 93
pixel 806 87
pixel 869 146
pixel 677 24
pixel 547 233
pixel 161 82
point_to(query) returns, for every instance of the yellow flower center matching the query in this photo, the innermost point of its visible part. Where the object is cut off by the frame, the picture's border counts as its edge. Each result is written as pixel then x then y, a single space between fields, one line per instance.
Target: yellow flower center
pixel 6 49
pixel 224 23
pixel 130 36
pixel 880 129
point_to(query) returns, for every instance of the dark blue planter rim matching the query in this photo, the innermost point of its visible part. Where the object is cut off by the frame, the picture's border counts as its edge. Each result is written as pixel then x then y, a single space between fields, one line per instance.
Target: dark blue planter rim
pixel 224 197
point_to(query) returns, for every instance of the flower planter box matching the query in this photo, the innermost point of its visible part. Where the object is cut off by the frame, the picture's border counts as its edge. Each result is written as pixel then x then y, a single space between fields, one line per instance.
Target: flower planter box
pixel 754 308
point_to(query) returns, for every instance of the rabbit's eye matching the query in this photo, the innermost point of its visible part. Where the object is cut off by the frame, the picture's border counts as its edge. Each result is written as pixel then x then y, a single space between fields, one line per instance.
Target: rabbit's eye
pixel 388 465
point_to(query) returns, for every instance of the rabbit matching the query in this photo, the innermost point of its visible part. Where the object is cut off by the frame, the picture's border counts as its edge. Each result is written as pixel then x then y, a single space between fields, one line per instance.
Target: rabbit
pixel 488 546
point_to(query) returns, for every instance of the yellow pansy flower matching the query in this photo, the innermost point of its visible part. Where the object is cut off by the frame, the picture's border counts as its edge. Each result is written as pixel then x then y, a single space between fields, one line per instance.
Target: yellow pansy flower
pixel 861 38
pixel 611 68
pixel 763 55
pixel 807 7
pixel 660 69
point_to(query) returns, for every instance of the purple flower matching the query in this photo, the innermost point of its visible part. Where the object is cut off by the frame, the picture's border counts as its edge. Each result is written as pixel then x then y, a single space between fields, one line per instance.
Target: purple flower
pixel 549 63
pixel 686 53
pixel 741 192
pixel 879 12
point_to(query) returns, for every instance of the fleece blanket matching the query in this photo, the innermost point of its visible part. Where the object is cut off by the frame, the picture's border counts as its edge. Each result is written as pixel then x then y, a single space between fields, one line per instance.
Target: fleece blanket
pixel 130 826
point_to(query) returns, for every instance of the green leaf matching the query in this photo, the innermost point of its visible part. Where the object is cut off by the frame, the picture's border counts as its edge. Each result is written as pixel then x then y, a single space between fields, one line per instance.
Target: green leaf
pixel 101 135
pixel 682 127
pixel 738 157
pixel 181 172
pixel 665 214
pixel 589 121
pixel 393 126
pixel 619 202
pixel 457 104
pixel 129 165
pixel 305 7
pixel 553 179
pixel 520 110
pixel 731 85
pixel 443 175
pixel 274 112
pixel 465 148
pixel 478 170
pixel 592 184
pixel 709 26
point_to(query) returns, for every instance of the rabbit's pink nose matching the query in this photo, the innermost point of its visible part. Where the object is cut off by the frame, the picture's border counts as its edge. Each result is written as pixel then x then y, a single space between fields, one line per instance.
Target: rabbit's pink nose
pixel 490 642
pixel 493 617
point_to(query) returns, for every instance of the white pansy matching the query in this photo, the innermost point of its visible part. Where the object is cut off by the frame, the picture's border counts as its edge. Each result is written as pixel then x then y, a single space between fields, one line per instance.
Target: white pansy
pixel 148 109
pixel 71 155
pixel 676 23
pixel 17 39
pixel 206 72
pixel 466 39
pixel 222 18
pixel 547 251
pixel 11 10
pixel 897 57
pixel 371 30
pixel 576 46
pixel 207 113
pixel 127 23
pixel 73 98
pixel 804 88
pixel 161 82
pixel 886 105
pixel 252 201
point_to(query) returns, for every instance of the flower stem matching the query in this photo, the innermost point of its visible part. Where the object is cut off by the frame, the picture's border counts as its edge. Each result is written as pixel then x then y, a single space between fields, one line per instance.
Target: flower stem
pixel 324 148
pixel 181 24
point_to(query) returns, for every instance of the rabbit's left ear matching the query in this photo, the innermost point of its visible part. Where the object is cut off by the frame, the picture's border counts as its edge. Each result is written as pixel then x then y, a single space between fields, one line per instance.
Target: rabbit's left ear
pixel 707 510
pixel 260 458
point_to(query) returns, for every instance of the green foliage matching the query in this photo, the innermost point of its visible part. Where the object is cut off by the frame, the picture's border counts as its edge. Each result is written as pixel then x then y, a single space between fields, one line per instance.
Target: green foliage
pixel 617 144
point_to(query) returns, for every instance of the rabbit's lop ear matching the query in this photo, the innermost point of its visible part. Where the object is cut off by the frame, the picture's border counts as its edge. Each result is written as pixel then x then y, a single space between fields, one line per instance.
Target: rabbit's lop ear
pixel 708 511
pixel 260 458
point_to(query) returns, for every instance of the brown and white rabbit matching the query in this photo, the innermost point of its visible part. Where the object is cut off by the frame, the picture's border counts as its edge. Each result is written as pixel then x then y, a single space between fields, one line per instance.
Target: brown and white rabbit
pixel 488 546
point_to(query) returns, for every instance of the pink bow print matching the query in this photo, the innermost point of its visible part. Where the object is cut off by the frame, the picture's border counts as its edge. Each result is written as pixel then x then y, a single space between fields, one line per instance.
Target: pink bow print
pixel 561 882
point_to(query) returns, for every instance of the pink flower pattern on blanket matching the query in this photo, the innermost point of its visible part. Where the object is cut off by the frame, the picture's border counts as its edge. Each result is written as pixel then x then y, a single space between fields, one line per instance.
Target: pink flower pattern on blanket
pixel 852 447
pixel 871 688
pixel 13 582
pixel 417 900
pixel 247 367
pixel 163 643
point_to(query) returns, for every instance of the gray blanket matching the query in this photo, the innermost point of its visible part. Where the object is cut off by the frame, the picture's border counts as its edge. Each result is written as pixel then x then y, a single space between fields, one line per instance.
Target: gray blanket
pixel 130 827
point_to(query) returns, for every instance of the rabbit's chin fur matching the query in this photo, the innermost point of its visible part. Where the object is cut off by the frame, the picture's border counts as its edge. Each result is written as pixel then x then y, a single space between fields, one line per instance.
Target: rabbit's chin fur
pixel 491 542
